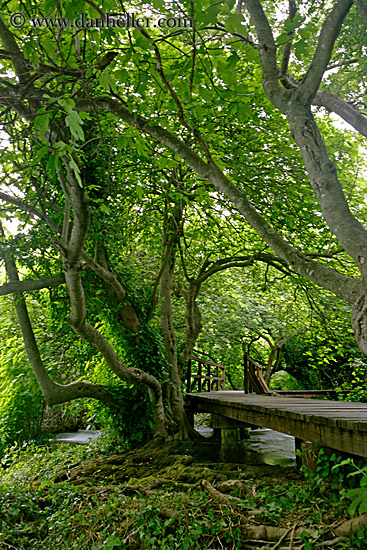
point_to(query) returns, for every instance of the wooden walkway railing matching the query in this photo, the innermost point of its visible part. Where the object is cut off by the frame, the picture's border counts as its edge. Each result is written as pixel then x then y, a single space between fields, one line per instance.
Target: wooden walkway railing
pixel 208 376
pixel 253 377
pixel 204 375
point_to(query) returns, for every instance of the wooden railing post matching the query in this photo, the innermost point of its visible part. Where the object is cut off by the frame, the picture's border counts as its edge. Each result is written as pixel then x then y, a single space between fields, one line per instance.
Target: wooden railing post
pixel 188 379
pixel 246 374
pixel 206 377
pixel 259 374
pixel 200 376
pixel 252 375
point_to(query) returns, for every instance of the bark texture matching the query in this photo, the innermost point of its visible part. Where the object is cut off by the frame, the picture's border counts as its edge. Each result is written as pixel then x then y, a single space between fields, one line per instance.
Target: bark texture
pixel 296 102
pixel 173 393
pixel 72 260
pixel 53 393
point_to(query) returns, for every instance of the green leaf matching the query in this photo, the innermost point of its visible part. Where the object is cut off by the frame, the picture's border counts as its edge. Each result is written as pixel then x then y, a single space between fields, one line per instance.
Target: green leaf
pixel 230 3
pixel 142 41
pixel 52 164
pixel 139 191
pixel 31 52
pixel 234 24
pixel 296 22
pixel 306 32
pixel 73 121
pixel 107 82
pixel 123 142
pixel 67 103
pixel 252 55
pixel 209 16
pixel 300 49
pixel 158 4
pixel 49 46
pixel 73 165
pixel 61 147
pixel 283 39
pixel 42 122
pixel 206 94
pixel 232 61
pixel 354 505
pixel 104 208
pixel 40 154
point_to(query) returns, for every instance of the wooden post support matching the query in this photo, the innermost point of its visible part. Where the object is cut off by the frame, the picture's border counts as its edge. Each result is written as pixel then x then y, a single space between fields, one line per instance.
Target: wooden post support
pixel 310 453
pixel 229 431
pixel 246 374
pixel 189 370
pixel 189 414
pixel 245 431
pixel 229 450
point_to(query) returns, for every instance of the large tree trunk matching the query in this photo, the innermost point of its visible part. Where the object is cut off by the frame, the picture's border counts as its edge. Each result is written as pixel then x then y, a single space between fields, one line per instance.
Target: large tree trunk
pixel 173 393
pixel 72 260
pixel 73 255
pixel 193 320
pixel 53 393
pixel 359 322
pixel 296 104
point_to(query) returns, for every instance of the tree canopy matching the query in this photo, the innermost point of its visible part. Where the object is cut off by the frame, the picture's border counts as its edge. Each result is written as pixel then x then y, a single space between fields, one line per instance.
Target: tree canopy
pixel 150 147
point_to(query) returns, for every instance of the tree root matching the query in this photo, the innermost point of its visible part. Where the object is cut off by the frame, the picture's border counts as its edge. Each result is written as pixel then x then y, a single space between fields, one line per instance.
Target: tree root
pixel 230 484
pixel 148 489
pixel 268 532
pixel 173 468
pixel 351 526
pixel 218 496
pixel 332 543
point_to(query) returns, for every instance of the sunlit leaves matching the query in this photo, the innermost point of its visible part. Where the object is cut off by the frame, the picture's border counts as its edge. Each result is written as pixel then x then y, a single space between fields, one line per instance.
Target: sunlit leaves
pixel 72 119
pixel 235 23
pixel 107 82
pixel 42 122
pixel 73 165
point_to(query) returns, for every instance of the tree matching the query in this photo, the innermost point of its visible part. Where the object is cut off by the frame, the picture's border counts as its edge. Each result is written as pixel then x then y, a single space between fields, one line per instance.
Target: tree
pixel 158 116
pixel 251 313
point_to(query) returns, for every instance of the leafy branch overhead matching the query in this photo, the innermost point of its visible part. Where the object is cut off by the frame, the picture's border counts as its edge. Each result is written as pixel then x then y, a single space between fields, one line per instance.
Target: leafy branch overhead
pixel 142 162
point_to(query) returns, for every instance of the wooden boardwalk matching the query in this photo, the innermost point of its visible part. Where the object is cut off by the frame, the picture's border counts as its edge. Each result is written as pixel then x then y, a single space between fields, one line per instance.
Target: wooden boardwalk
pixel 335 424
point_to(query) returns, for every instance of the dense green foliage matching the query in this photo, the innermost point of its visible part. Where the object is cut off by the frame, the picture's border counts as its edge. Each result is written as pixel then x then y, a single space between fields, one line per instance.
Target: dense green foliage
pixel 72 101
pixel 103 514
pixel 168 190
pixel 21 402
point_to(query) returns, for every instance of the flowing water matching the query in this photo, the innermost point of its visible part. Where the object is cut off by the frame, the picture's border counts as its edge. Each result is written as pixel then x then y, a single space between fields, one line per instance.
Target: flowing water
pixel 264 446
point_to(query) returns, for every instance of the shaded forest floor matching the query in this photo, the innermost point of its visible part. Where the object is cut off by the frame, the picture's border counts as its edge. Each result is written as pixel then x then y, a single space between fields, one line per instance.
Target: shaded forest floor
pixel 178 496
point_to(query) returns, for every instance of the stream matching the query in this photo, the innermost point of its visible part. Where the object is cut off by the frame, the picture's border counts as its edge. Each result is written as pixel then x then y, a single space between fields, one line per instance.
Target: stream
pixel 264 446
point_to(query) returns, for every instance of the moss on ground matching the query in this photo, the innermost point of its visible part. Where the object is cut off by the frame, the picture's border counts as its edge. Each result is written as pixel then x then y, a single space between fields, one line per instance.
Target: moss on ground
pixel 176 496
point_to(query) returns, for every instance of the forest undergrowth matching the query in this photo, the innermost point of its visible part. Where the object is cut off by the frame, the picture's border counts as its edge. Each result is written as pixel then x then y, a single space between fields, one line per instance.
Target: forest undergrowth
pixel 177 496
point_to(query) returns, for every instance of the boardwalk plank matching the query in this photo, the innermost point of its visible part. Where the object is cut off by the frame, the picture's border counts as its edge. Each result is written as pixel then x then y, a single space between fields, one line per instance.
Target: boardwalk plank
pixel 336 424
